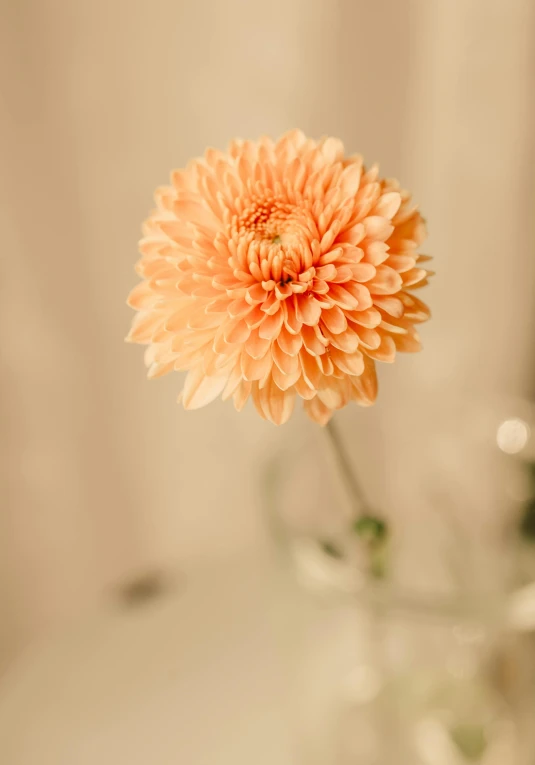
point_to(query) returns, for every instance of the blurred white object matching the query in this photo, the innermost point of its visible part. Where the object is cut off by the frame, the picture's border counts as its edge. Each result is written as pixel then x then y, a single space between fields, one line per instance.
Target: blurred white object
pixel 513 435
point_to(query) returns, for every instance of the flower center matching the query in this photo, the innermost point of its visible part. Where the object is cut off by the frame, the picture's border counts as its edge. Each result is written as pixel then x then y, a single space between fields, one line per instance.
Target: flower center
pixel 266 219
pixel 277 235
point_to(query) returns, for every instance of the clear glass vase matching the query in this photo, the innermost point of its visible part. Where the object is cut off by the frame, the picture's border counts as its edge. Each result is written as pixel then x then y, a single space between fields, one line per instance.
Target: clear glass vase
pixel 428 688
pixel 413 651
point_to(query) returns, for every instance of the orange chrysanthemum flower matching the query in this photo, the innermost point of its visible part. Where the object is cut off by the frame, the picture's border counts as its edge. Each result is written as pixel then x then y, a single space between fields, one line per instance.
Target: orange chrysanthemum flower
pixel 277 270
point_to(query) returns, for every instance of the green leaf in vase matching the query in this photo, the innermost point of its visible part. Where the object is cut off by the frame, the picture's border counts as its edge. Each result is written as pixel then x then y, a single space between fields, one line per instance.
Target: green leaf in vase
pixel 371 528
pixel 527 521
pixel 470 740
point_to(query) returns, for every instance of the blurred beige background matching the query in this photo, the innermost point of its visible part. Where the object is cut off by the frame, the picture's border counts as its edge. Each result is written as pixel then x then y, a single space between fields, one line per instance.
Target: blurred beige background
pixel 103 475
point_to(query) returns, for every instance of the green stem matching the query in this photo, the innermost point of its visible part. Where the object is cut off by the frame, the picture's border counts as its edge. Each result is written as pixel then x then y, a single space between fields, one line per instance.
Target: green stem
pixel 367 525
pixel 347 472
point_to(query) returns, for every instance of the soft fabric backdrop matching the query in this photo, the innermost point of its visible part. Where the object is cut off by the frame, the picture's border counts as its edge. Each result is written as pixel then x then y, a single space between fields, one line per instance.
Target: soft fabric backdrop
pixel 103 475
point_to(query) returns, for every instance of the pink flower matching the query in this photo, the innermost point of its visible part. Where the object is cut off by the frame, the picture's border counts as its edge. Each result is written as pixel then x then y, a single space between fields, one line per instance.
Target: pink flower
pixel 279 270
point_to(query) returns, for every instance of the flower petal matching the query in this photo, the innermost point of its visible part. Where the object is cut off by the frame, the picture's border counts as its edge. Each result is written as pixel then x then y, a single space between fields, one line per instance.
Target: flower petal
pixel 363 272
pixel 311 372
pixel 196 213
pixel 365 385
pixel 370 318
pixel 290 344
pixel 350 363
pixel 415 309
pixel 304 390
pixel 414 276
pixel 391 305
pixel 350 179
pixel 377 228
pixel 200 390
pixel 344 296
pixel 271 326
pixel 401 263
pixel 292 323
pixel 256 294
pixel 317 411
pixel 142 297
pixel 287 364
pixel 376 253
pixel 361 293
pixel 353 235
pixel 311 340
pixel 347 341
pixel 308 310
pixel 144 326
pixel 236 331
pixel 388 205
pixel 385 352
pixel 409 343
pixel 334 393
pixel 276 403
pixel 255 369
pixel 257 346
pixel 241 394
pixel 334 319
pixel 282 380
pixel 368 338
pixel 385 282
pixel 235 378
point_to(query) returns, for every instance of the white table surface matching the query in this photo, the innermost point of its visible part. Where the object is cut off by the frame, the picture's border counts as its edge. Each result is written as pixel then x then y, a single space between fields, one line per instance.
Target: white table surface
pixel 194 677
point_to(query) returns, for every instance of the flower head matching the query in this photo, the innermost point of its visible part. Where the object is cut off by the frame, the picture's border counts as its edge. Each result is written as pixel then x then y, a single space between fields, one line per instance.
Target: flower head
pixel 279 270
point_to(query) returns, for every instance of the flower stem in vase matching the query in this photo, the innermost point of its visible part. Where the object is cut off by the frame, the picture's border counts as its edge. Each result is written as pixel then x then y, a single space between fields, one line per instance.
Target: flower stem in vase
pixel 368 526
